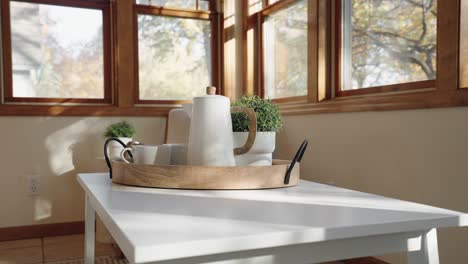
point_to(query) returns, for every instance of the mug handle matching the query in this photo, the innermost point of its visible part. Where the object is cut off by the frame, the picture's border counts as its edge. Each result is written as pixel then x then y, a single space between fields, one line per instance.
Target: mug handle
pixel 122 154
pixel 252 128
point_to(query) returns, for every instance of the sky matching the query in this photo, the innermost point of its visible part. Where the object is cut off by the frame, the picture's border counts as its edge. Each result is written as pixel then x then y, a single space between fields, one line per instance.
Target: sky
pixel 74 25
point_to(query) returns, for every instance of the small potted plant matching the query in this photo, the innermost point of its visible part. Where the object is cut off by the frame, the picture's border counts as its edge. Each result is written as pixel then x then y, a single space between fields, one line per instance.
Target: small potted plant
pixel 269 121
pixel 123 131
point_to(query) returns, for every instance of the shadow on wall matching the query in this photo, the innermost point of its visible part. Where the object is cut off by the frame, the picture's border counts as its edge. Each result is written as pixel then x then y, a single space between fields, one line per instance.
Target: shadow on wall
pixel 56 149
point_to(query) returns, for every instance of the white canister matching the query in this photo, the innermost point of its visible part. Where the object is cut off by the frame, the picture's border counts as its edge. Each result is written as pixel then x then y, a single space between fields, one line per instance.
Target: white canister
pixel 178 154
pixel 178 125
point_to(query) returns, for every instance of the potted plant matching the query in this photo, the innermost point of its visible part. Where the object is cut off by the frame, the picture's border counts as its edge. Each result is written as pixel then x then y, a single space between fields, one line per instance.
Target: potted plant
pixel 269 121
pixel 123 131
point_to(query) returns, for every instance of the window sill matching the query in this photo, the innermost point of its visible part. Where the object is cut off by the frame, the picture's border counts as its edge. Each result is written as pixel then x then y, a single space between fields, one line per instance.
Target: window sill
pixel 82 110
pixel 381 102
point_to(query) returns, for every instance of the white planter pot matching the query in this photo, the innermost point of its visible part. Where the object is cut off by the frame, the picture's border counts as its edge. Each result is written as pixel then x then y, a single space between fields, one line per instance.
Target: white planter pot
pixel 261 153
pixel 115 148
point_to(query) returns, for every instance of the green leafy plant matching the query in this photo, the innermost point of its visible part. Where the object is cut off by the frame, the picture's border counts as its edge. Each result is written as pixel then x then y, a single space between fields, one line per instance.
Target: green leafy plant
pixel 121 129
pixel 268 115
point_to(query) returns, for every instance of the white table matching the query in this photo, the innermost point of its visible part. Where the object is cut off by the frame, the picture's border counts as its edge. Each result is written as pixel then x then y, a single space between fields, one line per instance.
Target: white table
pixel 310 223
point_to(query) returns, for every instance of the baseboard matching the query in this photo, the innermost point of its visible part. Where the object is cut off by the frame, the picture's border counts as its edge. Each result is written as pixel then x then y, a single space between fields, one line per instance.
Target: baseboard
pixel 38 231
pixel 368 260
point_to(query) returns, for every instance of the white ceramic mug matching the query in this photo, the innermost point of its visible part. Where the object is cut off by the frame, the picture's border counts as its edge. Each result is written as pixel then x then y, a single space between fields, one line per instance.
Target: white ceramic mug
pixel 148 154
pixel 115 148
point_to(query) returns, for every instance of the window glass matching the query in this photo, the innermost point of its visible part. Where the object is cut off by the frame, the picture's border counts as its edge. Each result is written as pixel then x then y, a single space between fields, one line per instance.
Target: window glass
pixel 388 42
pixel 464 45
pixel 255 6
pixel 57 52
pixel 204 5
pixel 285 52
pixel 182 4
pixel 174 57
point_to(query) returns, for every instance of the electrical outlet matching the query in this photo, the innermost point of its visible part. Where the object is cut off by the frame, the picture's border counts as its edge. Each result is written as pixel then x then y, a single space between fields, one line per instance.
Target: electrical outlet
pixel 34 185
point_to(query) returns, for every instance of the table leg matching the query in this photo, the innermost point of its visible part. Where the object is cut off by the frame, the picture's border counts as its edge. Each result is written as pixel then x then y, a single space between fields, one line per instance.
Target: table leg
pixel 429 253
pixel 89 232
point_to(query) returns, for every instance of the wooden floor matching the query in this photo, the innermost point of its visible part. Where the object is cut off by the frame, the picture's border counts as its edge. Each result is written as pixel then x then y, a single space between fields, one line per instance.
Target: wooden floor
pixel 63 248
pixel 48 249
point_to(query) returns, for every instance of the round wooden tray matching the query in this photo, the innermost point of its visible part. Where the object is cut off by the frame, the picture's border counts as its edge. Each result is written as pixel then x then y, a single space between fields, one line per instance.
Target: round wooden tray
pixel 205 178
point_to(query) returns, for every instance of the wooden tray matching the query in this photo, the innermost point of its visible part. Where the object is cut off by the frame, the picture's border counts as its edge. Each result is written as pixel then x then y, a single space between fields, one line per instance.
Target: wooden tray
pixel 205 178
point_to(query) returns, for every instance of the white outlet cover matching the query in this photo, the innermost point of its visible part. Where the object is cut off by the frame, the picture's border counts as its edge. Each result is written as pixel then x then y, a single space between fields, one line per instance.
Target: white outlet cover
pixel 33 184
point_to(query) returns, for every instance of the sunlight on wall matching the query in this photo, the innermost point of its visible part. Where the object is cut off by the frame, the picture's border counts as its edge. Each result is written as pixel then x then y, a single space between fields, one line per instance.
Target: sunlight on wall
pixel 61 145
pixel 42 209
pixel 56 149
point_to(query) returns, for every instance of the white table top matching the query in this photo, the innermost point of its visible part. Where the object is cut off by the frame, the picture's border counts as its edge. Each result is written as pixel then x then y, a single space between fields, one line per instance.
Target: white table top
pixel 159 224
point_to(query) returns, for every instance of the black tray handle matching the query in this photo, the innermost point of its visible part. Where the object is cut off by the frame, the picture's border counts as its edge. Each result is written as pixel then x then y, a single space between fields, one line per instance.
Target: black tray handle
pixel 297 158
pixel 106 152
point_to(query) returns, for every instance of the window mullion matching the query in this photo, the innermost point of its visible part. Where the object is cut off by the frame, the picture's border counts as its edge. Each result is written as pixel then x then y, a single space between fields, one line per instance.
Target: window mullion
pixel 125 49
pixel 2 63
pixel 447 45
pixel 7 64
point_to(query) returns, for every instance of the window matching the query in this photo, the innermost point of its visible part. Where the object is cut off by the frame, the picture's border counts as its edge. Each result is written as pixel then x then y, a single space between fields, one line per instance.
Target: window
pixel 175 55
pixel 179 4
pixel 387 43
pixel 285 52
pixel 45 63
pixel 307 55
pixel 464 45
pixel 277 50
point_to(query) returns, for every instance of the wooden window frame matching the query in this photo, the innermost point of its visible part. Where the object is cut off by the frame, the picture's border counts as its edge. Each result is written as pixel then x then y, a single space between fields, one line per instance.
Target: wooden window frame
pixel 463 77
pixel 339 92
pixel 322 71
pixel 443 92
pixel 255 22
pixel 211 15
pixel 122 101
pixel 102 6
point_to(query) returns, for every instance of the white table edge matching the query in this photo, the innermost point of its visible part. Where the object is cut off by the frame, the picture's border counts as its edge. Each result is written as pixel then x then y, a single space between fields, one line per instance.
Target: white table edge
pixel 133 255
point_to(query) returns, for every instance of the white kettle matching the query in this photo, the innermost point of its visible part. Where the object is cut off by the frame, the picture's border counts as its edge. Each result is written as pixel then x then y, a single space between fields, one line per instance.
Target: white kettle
pixel 211 140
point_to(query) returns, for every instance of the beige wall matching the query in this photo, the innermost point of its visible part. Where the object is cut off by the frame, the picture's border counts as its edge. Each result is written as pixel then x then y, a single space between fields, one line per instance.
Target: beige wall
pixel 418 155
pixel 56 148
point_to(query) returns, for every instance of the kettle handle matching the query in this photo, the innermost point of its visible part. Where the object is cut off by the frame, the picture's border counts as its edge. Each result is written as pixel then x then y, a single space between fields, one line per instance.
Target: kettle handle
pixel 252 128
